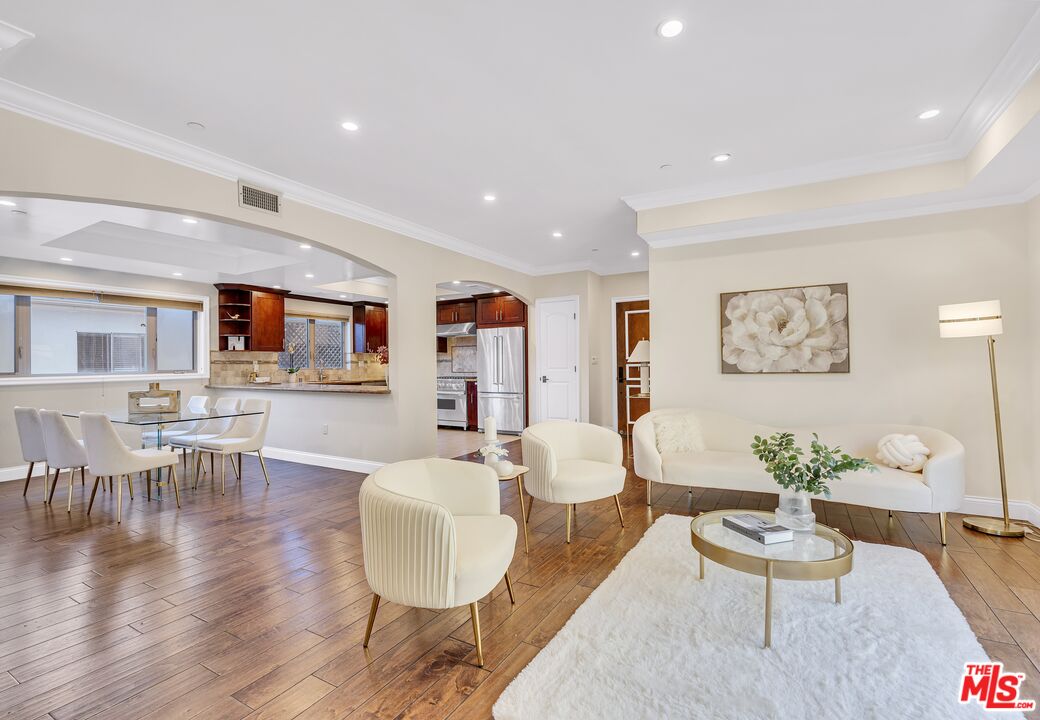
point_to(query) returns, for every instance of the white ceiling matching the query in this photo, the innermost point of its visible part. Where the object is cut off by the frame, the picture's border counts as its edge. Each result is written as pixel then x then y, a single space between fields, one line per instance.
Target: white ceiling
pixel 464 289
pixel 559 109
pixel 160 244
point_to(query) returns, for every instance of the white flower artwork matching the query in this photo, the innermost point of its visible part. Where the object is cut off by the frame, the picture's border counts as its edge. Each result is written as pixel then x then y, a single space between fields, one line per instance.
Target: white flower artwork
pixel 788 330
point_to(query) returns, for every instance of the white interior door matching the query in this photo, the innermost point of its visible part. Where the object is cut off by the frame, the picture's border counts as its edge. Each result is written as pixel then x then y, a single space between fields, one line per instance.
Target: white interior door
pixel 557 385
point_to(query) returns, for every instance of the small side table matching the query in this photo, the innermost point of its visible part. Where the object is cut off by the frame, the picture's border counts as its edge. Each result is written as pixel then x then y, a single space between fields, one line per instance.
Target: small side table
pixel 518 472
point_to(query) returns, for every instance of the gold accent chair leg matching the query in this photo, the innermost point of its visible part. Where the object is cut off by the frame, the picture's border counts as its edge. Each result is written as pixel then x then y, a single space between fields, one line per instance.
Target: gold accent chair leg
pixel 176 487
pixel 72 478
pixel 509 589
pixel 523 513
pixel 649 491
pixel 263 466
pixel 530 508
pixel 46 482
pixel 119 499
pixel 570 509
pixel 130 484
pixel 371 619
pixel 27 476
pixel 942 528
pixel 222 456
pixel 619 515
pixel 234 466
pixel 475 617
pixel 93 492
pixel 54 484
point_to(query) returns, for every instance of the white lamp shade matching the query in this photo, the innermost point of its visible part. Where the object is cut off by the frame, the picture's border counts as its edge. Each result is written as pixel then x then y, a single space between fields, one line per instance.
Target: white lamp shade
pixel 640 353
pixel 970 319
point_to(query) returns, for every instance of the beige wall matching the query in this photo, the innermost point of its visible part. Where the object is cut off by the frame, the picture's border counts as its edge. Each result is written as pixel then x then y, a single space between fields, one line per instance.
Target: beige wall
pixel 898 273
pixel 1033 280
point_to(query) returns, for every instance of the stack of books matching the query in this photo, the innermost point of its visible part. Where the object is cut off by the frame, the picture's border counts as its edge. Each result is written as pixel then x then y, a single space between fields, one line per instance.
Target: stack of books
pixel 758 529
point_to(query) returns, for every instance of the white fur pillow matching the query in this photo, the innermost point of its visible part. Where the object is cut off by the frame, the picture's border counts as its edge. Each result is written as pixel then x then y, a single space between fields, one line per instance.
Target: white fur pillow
pixel 905 452
pixel 678 433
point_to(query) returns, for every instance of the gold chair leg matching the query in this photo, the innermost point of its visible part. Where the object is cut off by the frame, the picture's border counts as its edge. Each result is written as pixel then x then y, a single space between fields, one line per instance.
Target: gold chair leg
pixel 46 482
pixel 72 478
pixel 130 484
pixel 199 466
pixel 54 484
pixel 942 528
pixel 176 487
pixel 222 456
pixel 570 511
pixel 119 499
pixel 649 491
pixel 93 492
pixel 234 466
pixel 530 507
pixel 27 476
pixel 263 466
pixel 620 516
pixel 509 589
pixel 371 619
pixel 475 617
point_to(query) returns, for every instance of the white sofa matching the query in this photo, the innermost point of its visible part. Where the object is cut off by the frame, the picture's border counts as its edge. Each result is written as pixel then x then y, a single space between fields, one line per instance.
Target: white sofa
pixel 727 462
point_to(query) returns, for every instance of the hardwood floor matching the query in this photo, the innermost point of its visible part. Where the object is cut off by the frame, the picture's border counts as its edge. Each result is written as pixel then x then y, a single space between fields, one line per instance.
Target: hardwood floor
pixel 253 605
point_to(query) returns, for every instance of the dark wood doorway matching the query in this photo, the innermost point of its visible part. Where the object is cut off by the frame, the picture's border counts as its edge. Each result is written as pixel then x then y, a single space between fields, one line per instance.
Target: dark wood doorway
pixel 632 324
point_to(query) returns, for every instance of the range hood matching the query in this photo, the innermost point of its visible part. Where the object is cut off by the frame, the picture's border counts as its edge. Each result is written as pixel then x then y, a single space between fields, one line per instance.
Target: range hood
pixel 456 329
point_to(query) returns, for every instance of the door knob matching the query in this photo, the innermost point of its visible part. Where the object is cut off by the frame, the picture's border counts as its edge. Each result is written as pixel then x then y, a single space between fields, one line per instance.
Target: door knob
pixel 544 378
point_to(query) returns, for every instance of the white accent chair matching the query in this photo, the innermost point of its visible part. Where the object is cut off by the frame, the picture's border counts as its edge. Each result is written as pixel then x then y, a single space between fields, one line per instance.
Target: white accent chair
pixel 198 404
pixel 109 455
pixel 573 463
pixel 434 537
pixel 64 451
pixel 30 436
pixel 721 458
pixel 207 430
pixel 245 436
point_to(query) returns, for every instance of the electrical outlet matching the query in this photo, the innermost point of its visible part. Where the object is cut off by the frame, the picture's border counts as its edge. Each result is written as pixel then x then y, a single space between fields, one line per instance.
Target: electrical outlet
pixel 324 429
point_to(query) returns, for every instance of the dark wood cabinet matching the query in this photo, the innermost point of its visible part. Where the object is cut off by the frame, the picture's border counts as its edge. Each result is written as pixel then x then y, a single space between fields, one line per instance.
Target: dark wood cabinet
pixel 501 310
pixel 254 313
pixel 471 404
pixel 442 344
pixel 370 327
pixel 461 311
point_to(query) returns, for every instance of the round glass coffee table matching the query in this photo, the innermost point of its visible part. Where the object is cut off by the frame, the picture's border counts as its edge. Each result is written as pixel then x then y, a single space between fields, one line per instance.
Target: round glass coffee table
pixel 824 554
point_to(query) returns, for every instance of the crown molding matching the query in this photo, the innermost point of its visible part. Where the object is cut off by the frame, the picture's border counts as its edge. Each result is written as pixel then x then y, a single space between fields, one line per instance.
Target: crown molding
pixel 999 90
pixel 55 111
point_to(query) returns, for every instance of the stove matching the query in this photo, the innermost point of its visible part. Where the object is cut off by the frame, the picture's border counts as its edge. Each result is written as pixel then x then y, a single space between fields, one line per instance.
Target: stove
pixel 451 401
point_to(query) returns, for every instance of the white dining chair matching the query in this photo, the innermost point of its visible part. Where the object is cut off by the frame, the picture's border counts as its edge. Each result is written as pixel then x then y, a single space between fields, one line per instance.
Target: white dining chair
pixel 207 430
pixel 30 435
pixel 198 404
pixel 108 455
pixel 64 451
pixel 245 436
pixel 572 463
pixel 434 536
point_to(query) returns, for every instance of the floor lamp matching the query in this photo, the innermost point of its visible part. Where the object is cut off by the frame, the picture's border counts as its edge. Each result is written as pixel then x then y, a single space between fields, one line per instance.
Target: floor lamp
pixel 979 319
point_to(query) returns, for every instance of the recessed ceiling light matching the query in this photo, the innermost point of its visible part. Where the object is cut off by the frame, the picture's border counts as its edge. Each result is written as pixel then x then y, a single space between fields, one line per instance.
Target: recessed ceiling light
pixel 178 274
pixel 309 275
pixel 65 259
pixel 670 28
pixel 456 282
pixel 635 253
pixel 189 221
pixel 8 203
pixel 929 114
pixel 722 157
pixel 557 234
pixel 350 126
pixel 495 290
pixel 304 246
pixel 489 197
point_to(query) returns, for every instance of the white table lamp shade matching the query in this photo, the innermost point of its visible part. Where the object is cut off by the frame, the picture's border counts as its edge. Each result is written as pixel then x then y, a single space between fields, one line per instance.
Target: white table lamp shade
pixel 970 319
pixel 640 353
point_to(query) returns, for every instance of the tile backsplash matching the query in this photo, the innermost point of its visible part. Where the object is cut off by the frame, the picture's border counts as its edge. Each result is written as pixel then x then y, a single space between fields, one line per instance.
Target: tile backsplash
pixel 233 368
pixel 461 358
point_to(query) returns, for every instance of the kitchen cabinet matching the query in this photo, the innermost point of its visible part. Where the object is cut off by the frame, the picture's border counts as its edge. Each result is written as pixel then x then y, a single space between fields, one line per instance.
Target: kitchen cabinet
pixel 442 344
pixel 370 327
pixel 256 314
pixel 500 310
pixel 456 312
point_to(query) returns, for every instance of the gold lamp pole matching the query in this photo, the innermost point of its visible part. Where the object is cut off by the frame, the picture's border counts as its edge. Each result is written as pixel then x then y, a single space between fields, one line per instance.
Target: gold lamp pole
pixel 974 320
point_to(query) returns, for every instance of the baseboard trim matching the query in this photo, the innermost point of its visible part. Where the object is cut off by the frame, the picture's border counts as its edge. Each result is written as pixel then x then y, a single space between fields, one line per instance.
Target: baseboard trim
pixel 337 462
pixel 992 507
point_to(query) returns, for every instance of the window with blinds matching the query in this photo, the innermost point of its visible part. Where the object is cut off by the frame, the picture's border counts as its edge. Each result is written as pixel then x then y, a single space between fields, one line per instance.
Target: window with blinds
pixel 110 353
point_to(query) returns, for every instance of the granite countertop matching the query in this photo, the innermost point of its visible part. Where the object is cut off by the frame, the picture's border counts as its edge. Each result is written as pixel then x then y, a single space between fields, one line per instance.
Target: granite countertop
pixel 356 388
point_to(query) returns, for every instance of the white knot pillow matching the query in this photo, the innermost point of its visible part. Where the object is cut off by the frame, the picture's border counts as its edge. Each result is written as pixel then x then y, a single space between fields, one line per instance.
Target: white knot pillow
pixel 905 452
pixel 678 433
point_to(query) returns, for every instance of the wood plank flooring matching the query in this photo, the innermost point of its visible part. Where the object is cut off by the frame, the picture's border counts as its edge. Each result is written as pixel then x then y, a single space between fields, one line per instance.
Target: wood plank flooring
pixel 253 605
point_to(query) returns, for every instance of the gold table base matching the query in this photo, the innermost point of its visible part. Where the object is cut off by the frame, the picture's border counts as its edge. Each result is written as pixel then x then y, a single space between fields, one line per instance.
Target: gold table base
pixel 994 526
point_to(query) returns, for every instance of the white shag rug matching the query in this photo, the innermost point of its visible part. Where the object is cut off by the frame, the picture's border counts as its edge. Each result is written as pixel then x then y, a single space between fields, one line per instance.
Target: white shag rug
pixel 654 642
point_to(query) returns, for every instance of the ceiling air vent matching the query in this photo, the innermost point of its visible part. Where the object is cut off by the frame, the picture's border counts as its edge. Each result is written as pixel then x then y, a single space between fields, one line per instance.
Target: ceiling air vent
pixel 254 197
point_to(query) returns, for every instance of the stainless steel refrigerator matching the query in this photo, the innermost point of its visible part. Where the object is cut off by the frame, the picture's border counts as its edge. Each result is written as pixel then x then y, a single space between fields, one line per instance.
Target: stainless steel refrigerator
pixel 501 367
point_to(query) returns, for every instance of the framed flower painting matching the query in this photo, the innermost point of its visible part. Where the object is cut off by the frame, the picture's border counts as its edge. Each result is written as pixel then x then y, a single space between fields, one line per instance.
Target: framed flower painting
pixel 786 330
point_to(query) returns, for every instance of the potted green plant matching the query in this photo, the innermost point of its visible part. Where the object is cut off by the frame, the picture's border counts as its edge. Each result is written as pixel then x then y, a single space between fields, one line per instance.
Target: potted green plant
pixel 802 478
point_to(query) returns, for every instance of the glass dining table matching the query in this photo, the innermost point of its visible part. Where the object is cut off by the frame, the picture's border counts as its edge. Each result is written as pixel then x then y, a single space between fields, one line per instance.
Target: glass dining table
pixel 157 429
